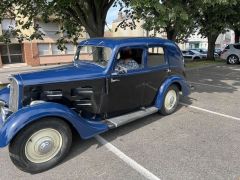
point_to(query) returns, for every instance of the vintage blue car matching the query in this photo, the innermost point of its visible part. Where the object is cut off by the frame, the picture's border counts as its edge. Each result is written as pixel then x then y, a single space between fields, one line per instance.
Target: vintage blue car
pixel 111 82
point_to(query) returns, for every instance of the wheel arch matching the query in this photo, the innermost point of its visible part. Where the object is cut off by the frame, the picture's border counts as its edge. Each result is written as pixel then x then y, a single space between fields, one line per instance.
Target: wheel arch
pixel 178 81
pixel 24 117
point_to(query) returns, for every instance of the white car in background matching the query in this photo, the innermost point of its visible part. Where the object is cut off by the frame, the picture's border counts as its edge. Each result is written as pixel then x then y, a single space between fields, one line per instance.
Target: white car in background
pixel 193 54
pixel 231 53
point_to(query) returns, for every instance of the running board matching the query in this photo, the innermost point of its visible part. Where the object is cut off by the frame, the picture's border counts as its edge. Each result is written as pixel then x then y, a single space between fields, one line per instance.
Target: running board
pixel 127 118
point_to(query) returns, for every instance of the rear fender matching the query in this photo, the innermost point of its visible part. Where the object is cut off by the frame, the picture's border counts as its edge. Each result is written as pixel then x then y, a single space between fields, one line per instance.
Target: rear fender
pixel 185 89
pixel 27 115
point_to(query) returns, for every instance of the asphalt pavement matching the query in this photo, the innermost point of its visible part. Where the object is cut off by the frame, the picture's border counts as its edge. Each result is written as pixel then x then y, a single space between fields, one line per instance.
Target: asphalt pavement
pixel 200 141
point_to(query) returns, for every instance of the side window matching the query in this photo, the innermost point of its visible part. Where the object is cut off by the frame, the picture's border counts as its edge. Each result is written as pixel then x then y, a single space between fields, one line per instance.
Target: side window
pixel 237 46
pixel 130 58
pixel 191 53
pixel 155 56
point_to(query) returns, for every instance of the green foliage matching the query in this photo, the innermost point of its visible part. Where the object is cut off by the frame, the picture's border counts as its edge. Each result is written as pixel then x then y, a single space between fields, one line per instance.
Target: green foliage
pixel 214 17
pixel 75 16
pixel 170 16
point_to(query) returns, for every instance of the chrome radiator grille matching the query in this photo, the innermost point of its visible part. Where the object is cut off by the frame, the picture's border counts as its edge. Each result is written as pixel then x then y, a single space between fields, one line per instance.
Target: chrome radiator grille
pixel 14 95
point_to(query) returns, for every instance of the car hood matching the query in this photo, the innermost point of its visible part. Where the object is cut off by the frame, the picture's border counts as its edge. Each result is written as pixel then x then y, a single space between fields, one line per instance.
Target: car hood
pixel 76 71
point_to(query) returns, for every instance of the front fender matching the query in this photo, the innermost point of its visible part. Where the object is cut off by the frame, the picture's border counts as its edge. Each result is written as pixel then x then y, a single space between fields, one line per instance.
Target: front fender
pixel 27 115
pixel 4 95
pixel 168 82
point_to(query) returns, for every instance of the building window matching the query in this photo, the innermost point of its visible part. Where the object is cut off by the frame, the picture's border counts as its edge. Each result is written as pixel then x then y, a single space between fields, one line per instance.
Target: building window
pixel 8 24
pixel 71 49
pixel 55 50
pixel 44 49
pixel 49 29
pixel 11 53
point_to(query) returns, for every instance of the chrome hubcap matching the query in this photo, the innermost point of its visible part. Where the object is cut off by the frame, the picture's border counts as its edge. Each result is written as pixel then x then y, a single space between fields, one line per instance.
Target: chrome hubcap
pixel 232 60
pixel 170 100
pixel 43 145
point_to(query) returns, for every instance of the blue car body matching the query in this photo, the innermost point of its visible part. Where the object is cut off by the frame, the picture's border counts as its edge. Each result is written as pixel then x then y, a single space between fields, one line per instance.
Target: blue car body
pixel 17 114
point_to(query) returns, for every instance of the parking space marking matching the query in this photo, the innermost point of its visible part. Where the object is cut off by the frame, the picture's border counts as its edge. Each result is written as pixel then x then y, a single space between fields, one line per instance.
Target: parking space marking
pixel 212 112
pixel 204 84
pixel 143 171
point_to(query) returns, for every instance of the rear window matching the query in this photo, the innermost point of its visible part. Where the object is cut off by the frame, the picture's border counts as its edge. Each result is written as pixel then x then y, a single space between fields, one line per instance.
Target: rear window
pixel 155 56
pixel 236 46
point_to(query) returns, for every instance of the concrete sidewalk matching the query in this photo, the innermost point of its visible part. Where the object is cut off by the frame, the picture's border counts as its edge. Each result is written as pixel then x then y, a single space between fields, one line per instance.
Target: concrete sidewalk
pixel 7 71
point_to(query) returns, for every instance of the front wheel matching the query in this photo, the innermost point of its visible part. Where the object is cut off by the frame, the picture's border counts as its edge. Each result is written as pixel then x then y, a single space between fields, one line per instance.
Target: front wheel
pixel 41 145
pixel 171 100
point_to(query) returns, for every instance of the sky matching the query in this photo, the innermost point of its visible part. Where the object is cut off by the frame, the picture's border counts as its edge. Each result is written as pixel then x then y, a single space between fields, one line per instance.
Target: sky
pixel 112 14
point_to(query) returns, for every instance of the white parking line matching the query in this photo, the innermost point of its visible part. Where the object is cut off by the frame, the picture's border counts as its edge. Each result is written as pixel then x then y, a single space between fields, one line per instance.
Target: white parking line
pixel 204 84
pixel 212 112
pixel 143 171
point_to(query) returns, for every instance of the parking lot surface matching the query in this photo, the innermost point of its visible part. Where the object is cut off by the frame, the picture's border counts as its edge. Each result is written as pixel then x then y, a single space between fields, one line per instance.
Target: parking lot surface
pixel 200 141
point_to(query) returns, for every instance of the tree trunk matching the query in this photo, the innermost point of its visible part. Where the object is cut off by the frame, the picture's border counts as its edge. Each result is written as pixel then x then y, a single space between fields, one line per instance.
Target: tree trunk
pixel 96 32
pixel 171 35
pixel 237 35
pixel 211 46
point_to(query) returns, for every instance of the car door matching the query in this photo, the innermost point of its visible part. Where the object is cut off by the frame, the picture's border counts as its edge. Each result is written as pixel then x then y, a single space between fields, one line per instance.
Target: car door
pixel 157 70
pixel 125 90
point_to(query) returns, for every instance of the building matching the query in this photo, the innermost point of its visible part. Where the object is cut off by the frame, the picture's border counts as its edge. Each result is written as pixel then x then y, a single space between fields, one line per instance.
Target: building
pixel 194 41
pixel 36 52
pixel 197 41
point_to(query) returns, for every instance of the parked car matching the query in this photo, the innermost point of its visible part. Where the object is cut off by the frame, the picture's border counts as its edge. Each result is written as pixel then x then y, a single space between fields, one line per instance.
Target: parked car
pixel 218 51
pixel 200 50
pixel 40 110
pixel 205 51
pixel 231 53
pixel 193 54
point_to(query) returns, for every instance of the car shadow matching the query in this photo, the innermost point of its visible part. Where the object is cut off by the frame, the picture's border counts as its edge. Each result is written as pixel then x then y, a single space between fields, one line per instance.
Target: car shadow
pixel 215 79
pixel 206 75
pixel 79 145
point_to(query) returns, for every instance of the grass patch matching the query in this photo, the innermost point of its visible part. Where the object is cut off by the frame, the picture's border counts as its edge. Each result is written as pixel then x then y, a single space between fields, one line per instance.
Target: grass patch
pixel 202 63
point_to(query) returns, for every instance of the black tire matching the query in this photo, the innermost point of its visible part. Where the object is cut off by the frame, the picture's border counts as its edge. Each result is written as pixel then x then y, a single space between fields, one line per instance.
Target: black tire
pixel 18 146
pixel 232 59
pixel 166 111
pixel 196 58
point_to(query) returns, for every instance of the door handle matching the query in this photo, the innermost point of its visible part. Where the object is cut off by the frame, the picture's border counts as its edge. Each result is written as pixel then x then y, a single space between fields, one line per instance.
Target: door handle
pixel 168 70
pixel 114 80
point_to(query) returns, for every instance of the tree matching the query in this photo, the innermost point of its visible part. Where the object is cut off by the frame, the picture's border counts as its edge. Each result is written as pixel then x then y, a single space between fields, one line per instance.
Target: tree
pixel 74 15
pixel 212 18
pixel 234 21
pixel 170 16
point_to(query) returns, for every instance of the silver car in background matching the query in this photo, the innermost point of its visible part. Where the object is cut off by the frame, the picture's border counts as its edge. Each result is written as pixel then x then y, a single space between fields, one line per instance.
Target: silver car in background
pixel 193 54
pixel 231 53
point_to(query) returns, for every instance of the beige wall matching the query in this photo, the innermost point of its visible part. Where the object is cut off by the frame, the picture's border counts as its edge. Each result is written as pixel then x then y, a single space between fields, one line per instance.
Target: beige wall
pixel 138 32
pixel 44 60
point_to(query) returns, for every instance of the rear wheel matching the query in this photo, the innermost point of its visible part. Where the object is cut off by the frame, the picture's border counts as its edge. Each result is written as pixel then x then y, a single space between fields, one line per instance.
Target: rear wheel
pixel 171 100
pixel 232 59
pixel 41 145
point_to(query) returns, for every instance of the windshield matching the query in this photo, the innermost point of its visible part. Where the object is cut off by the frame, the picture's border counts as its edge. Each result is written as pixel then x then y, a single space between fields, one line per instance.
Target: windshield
pixel 94 54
